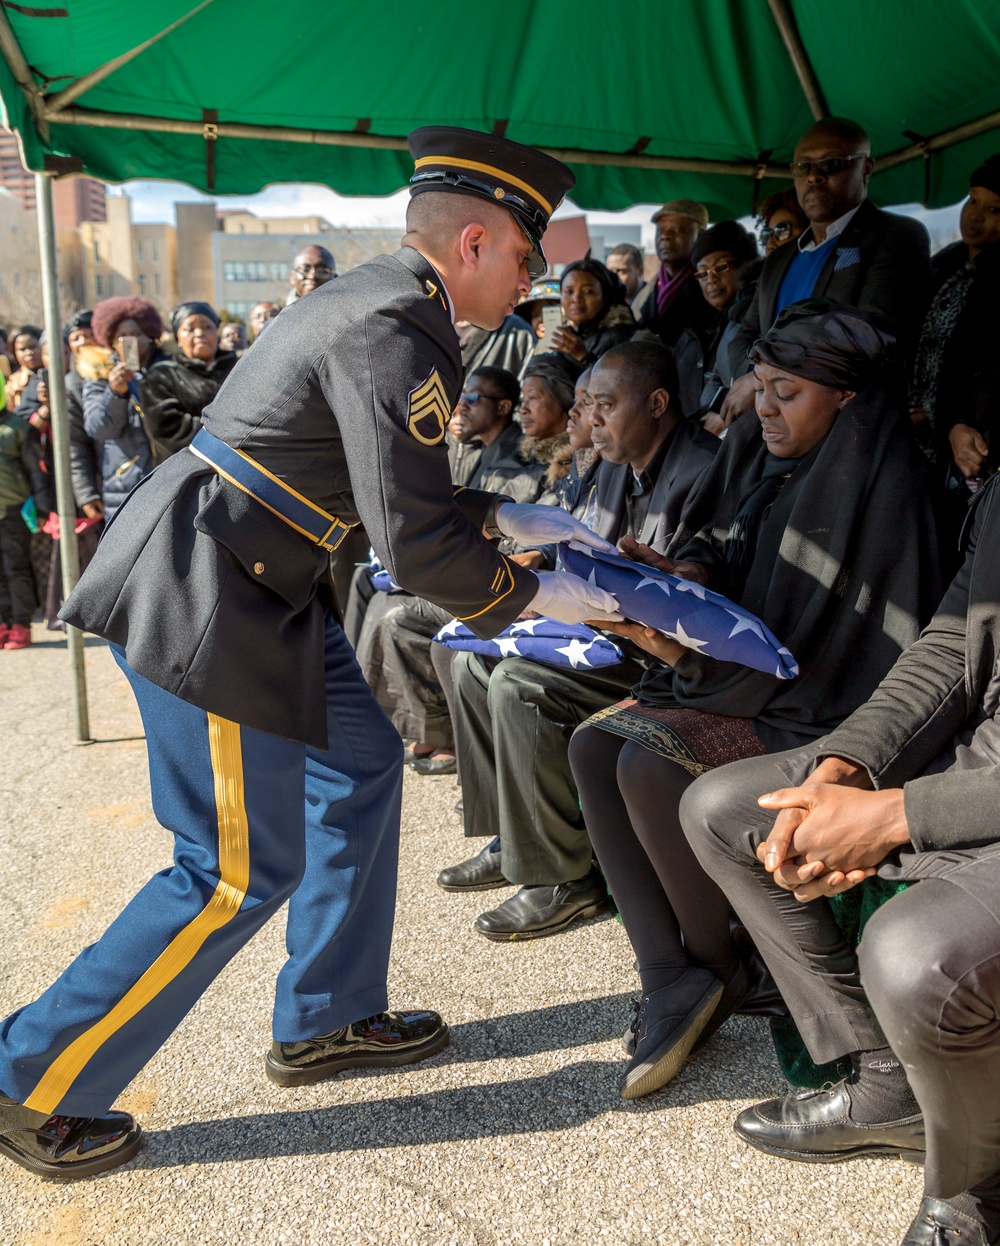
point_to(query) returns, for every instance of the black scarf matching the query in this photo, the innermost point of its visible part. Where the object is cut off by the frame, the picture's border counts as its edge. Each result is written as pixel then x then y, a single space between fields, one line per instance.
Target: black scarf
pixel 844 571
pixel 741 543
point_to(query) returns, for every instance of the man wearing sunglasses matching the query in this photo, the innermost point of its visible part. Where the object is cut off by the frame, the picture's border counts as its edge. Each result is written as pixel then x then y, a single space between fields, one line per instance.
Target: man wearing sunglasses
pixel 312 267
pixel 852 250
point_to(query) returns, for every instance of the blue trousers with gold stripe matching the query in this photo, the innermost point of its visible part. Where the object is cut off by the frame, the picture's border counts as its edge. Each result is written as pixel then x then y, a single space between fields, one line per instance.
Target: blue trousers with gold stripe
pixel 257 820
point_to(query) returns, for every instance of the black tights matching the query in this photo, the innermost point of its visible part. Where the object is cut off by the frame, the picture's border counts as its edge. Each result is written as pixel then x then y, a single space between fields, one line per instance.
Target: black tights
pixel 673 912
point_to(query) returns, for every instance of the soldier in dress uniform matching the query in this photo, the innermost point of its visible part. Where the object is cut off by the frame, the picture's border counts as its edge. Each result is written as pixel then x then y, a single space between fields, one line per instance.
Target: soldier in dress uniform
pixel 269 757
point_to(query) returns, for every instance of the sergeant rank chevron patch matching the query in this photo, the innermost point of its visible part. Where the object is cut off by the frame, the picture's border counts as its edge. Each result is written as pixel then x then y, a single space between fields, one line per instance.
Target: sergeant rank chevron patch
pixel 429 410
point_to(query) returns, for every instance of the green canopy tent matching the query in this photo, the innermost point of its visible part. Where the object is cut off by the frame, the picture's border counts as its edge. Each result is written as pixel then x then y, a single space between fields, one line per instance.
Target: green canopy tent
pixel 646 101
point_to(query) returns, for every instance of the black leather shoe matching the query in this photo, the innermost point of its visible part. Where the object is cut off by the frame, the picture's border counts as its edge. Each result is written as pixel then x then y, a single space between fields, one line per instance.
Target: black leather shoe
pixel 383 1041
pixel 815 1126
pixel 480 873
pixel 434 765
pixel 66 1147
pixel 668 1023
pixel 938 1223
pixel 534 912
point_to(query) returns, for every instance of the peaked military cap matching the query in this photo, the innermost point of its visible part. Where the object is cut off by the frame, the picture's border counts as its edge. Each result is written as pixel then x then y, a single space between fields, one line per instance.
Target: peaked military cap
pixel 528 183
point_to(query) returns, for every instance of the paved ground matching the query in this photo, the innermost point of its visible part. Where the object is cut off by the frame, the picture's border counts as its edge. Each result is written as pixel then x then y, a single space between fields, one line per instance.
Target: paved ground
pixel 514 1134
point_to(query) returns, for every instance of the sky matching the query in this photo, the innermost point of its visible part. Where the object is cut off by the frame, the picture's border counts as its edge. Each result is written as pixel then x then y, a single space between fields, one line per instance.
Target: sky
pixel 153 201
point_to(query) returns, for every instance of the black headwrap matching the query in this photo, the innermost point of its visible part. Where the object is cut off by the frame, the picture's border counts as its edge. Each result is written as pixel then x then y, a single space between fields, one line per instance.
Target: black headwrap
pixel 828 342
pixel 726 236
pixel 558 373
pixel 987 175
pixel 80 320
pixel 183 310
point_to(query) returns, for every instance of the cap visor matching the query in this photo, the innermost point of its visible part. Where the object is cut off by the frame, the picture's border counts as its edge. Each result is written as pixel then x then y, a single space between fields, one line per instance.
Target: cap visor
pixel 538 265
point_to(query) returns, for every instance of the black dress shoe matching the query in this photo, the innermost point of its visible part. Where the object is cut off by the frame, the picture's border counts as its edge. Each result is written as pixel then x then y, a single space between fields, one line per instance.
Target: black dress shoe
pixel 534 912
pixel 938 1223
pixel 480 873
pixel 434 765
pixel 667 1026
pixel 815 1126
pixel 66 1147
pixel 383 1041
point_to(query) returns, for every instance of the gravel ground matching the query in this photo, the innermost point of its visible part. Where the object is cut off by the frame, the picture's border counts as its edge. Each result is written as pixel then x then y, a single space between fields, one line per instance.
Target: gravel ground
pixel 514 1134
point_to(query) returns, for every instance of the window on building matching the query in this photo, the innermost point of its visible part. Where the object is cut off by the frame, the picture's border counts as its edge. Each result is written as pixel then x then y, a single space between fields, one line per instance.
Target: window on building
pixel 99 286
pixel 142 284
pixel 156 251
pixel 278 270
pixel 234 270
pixel 140 253
pixel 156 283
pixel 97 251
pixel 238 308
pixel 111 284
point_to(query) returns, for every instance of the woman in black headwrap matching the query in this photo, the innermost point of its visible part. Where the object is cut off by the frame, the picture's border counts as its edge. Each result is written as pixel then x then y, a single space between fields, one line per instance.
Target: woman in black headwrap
pixel 595 313
pixel 814 516
pixel 177 390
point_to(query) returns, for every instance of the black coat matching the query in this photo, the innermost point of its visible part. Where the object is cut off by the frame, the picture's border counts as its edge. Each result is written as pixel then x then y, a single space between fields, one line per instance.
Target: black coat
pixel 688 310
pixel 84 452
pixel 345 399
pixel 690 452
pixel 940 690
pixel 879 264
pixel 175 392
pixel 845 571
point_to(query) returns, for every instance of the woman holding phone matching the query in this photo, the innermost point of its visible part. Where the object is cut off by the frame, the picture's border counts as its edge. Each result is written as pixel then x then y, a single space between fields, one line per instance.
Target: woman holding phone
pixel 595 313
pixel 130 330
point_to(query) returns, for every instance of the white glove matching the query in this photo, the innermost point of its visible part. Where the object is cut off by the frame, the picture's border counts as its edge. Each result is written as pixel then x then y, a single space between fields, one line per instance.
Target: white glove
pixel 534 525
pixel 570 599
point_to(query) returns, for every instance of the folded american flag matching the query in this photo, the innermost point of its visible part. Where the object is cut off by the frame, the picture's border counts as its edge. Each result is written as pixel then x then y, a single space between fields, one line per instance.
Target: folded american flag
pixel 569 645
pixel 686 612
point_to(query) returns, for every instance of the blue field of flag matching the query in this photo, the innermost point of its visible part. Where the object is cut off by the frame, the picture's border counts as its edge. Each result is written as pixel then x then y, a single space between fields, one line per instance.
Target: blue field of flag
pixel 686 612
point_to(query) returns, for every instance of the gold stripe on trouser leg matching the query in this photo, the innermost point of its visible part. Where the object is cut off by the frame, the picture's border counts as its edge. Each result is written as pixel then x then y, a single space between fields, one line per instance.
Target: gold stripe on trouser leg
pixel 225 903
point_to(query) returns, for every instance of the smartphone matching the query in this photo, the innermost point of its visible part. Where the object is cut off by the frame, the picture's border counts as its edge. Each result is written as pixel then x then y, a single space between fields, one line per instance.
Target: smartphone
pixel 130 353
pixel 552 318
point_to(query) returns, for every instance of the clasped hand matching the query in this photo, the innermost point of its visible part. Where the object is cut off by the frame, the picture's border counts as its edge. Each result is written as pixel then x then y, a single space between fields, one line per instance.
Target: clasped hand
pixel 832 831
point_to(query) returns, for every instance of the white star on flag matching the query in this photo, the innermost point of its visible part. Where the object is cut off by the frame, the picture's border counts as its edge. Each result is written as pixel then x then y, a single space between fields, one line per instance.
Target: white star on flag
pixel 743 624
pixel 662 585
pixel 451 629
pixel 508 647
pixel 576 652
pixel 525 627
pixel 683 638
pixel 689 586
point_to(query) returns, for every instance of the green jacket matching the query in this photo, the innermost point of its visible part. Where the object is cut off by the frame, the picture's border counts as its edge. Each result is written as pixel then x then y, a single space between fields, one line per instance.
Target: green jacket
pixel 14 487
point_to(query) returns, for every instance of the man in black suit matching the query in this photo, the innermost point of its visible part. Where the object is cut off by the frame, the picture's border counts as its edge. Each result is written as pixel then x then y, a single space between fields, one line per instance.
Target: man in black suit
pixel 514 717
pixel 855 252
pixel 906 786
pixel 672 301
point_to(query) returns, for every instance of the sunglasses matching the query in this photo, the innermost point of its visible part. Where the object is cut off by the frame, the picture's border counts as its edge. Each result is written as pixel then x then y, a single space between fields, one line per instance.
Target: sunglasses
pixel 318 270
pixel 723 266
pixel 782 232
pixel 836 164
pixel 472 398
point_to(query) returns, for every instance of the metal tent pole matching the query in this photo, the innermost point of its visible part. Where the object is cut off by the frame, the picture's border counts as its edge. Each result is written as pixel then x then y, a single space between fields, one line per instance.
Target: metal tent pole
pixel 68 551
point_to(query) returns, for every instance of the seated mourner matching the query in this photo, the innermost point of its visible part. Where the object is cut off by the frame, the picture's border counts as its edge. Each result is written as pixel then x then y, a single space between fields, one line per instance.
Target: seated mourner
pixel 906 786
pixel 790 521
pixel 514 718
pixel 394 643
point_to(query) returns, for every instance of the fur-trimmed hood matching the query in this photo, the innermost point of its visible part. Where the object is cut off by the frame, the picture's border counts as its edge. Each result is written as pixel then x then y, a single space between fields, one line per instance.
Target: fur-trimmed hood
pixel 94 363
pixel 555 452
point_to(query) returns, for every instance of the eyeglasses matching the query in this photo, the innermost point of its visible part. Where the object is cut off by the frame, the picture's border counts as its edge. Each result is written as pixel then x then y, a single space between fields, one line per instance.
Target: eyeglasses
pixel 835 164
pixel 723 266
pixel 472 397
pixel 782 232
pixel 319 270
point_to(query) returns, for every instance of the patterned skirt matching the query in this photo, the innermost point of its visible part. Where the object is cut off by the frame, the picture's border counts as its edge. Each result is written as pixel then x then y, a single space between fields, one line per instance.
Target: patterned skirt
pixel 699 742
